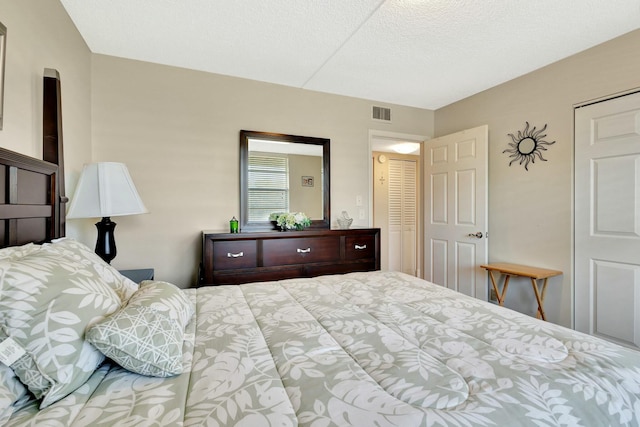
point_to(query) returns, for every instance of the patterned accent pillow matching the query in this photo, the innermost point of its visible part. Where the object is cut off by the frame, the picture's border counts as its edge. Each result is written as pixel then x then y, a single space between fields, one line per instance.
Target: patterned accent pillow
pixel 11 389
pixel 146 336
pixel 47 301
pixel 141 340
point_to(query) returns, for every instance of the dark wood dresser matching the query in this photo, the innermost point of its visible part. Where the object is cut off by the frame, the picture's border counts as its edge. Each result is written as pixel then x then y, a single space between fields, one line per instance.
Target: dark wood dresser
pixel 232 259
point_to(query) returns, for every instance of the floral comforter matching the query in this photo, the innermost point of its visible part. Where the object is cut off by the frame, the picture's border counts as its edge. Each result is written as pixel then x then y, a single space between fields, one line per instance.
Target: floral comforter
pixel 363 349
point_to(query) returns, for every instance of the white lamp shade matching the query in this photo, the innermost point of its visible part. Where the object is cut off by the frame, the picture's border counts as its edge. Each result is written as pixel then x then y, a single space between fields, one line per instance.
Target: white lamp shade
pixel 105 189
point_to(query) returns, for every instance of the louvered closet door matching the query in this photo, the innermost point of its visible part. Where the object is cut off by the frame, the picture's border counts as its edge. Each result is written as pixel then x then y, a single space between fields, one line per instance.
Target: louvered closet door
pixel 402 215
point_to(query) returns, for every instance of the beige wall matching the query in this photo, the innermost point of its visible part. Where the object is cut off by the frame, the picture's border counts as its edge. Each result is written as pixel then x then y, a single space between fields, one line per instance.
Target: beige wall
pixel 41 35
pixel 178 132
pixel 530 213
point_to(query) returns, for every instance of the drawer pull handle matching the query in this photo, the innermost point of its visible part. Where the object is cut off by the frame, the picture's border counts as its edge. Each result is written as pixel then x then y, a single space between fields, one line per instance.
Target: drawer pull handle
pixel 304 251
pixel 360 247
pixel 238 255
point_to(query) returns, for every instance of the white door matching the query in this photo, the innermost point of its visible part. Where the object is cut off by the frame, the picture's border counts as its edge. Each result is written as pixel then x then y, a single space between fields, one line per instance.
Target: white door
pixel 456 210
pixel 607 219
pixel 403 215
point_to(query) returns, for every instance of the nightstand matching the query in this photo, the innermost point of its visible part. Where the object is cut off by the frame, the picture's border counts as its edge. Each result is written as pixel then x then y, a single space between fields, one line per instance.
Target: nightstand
pixel 138 275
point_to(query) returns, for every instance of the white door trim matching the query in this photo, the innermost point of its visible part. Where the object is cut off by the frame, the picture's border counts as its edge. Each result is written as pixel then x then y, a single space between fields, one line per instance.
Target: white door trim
pixel 605 98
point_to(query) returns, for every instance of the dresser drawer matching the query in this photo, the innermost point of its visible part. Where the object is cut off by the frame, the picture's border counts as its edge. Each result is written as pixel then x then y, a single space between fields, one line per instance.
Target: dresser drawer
pixel 360 247
pixel 233 255
pixel 300 250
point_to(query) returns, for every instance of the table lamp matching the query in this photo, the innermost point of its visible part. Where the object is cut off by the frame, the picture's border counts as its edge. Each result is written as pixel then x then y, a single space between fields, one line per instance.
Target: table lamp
pixel 104 190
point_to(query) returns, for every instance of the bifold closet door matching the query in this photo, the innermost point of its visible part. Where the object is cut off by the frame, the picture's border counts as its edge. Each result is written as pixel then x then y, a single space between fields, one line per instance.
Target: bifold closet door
pixel 403 216
pixel 607 219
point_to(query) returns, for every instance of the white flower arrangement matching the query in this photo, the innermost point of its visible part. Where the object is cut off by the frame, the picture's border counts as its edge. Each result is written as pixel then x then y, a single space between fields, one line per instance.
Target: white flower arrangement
pixel 291 220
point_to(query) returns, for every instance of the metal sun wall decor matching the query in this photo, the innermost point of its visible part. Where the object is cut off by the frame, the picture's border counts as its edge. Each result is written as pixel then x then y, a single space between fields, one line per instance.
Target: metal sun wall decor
pixel 527 145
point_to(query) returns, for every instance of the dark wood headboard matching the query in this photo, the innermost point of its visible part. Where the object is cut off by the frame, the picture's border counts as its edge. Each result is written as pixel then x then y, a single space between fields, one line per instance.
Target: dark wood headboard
pixel 28 204
pixel 32 199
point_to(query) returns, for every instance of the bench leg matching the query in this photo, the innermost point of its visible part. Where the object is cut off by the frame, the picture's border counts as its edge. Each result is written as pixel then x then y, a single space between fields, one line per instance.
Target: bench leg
pixel 495 287
pixel 504 288
pixel 539 297
pixel 499 295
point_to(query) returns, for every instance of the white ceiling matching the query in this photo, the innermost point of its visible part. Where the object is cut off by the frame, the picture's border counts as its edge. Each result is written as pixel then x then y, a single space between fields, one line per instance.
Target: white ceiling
pixel 420 53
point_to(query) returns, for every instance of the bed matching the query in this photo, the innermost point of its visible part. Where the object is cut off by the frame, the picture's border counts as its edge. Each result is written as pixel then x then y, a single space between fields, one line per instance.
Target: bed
pixel 82 345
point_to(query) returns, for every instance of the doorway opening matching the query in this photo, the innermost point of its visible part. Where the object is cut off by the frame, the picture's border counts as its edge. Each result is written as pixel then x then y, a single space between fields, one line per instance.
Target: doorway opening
pixel 397 193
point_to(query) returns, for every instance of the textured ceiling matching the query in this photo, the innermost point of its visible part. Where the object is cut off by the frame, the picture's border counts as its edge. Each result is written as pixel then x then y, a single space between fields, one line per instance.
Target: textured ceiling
pixel 420 53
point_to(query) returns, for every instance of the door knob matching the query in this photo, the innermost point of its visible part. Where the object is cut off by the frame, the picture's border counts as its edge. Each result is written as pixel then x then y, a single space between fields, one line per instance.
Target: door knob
pixel 477 235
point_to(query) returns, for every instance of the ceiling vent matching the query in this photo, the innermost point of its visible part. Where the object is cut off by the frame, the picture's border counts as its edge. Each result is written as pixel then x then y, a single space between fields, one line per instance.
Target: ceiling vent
pixel 381 113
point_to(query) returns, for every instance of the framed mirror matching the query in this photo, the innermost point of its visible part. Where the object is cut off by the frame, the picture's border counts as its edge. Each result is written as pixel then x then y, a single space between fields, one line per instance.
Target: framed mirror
pixel 283 173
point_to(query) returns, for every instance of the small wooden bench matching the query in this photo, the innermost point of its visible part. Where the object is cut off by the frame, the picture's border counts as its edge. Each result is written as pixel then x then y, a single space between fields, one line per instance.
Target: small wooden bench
pixel 534 273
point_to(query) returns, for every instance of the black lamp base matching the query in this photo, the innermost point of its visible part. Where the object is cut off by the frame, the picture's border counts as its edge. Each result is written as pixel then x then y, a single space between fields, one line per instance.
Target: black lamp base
pixel 106 244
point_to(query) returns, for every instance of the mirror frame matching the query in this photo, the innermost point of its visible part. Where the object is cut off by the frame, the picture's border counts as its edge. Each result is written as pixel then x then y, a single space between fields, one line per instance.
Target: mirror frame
pixel 245 135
